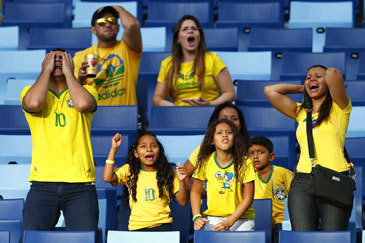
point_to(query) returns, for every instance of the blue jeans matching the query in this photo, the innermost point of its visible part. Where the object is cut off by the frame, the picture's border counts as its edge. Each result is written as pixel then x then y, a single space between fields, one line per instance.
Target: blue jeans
pixel 308 212
pixel 45 200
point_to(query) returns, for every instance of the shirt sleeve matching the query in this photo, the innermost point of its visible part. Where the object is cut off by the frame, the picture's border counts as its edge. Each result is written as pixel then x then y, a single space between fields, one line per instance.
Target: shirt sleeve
pixel 122 174
pixel 164 68
pixel 194 156
pixel 218 65
pixel 176 184
pixel 249 174
pixel 92 91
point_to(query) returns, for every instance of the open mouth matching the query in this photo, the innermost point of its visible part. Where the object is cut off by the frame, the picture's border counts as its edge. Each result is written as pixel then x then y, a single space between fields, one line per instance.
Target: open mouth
pixel 191 40
pixel 149 157
pixel 57 66
pixel 313 87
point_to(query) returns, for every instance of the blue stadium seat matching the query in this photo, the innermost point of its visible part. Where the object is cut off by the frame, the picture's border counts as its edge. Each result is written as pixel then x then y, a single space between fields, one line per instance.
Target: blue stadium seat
pixel 280 40
pixel 344 39
pixel 168 13
pixel 83 11
pixel 295 65
pixel 11 216
pixel 319 15
pixel 70 39
pixel 180 129
pixel 361 67
pixel 315 236
pixel 14 87
pixel 356 127
pixel 355 148
pixel 19 64
pixel 181 219
pixel 201 236
pixel 251 92
pixel 356 91
pixel 247 15
pixel 31 236
pixel 11 42
pixel 263 216
pixel 150 64
pixel 107 121
pixel 15 124
pixel 141 237
pixel 5 236
pixel 248 65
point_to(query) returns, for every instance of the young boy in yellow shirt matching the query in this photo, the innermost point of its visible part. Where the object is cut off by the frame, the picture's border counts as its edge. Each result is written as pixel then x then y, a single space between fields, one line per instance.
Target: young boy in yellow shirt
pixel 272 182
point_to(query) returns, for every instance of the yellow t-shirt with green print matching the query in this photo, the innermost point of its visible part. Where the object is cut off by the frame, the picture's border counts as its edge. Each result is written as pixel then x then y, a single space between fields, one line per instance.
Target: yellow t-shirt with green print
pixel 149 210
pixel 62 149
pixel 186 86
pixel 117 75
pixel 223 193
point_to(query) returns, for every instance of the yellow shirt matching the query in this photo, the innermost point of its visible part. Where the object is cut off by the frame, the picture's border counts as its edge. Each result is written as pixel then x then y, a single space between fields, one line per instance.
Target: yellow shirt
pixel 329 139
pixel 62 149
pixel 117 74
pixel 223 193
pixel 186 85
pixel 194 155
pixel 149 210
pixel 276 188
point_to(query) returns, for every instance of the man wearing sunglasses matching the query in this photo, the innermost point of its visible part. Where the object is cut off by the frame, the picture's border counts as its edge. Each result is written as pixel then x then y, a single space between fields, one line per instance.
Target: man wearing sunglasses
pixel 118 60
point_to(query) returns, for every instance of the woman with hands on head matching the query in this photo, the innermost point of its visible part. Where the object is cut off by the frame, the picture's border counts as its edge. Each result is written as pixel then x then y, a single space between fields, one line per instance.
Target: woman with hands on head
pixel 192 76
pixel 325 94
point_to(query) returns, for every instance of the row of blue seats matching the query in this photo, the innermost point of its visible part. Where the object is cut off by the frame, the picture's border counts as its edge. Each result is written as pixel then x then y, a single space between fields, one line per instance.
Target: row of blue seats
pixel 172 237
pixel 217 39
pixel 230 13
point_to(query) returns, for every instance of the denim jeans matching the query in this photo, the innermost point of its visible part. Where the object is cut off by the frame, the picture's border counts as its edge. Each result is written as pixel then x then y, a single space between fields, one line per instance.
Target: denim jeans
pixel 45 200
pixel 308 212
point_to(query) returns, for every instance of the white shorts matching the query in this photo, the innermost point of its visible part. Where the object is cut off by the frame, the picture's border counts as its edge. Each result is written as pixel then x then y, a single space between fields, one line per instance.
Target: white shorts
pixel 239 225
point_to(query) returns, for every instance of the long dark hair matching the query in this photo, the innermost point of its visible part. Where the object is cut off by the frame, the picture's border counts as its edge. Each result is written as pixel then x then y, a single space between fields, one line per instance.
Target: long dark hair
pixel 165 172
pixel 177 56
pixel 239 149
pixel 243 131
pixel 324 110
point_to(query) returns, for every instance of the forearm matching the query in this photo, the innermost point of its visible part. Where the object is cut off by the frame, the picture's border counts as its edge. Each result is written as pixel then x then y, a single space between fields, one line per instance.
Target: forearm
pixel 108 174
pixel 284 89
pixel 195 196
pixel 182 196
pixel 240 210
pixel 36 95
pixel 82 100
pixel 159 101
pixel 224 97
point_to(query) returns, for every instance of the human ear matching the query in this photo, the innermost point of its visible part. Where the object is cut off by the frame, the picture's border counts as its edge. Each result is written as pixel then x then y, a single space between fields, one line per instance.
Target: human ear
pixel 272 157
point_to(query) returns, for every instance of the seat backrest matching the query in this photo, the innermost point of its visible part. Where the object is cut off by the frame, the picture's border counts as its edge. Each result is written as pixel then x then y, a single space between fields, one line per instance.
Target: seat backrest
pixel 221 39
pixel 14 88
pixel 83 11
pixel 181 219
pixel 15 122
pixel 247 65
pixel 295 65
pixel 344 39
pixel 142 237
pixel 321 14
pixel 5 236
pixel 107 121
pixel 11 208
pixel 179 120
pixel 31 236
pixel 356 126
pixel 14 226
pixel 201 236
pixel 315 236
pixel 70 39
pixel 356 91
pixel 11 41
pixel 251 93
pixel 153 38
pixel 168 13
pixel 250 14
pixel 14 176
pixel 280 40
pixel 263 216
pixel 150 64
pixel 28 14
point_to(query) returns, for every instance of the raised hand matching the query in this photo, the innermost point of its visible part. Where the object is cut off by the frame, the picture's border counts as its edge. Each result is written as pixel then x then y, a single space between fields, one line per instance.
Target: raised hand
pixel 181 171
pixel 117 141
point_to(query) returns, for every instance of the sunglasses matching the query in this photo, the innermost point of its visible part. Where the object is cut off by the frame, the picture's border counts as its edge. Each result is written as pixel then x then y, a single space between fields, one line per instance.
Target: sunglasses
pixel 102 21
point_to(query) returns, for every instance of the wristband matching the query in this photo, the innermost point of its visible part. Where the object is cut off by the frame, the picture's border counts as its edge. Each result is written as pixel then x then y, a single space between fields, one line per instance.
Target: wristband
pixel 196 217
pixel 108 161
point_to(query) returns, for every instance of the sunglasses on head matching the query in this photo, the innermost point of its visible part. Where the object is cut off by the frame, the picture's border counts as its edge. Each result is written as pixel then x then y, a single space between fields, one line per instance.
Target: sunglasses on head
pixel 102 21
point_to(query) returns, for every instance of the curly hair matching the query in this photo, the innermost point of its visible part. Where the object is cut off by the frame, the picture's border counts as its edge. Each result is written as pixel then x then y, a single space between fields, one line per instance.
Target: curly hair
pixel 239 149
pixel 165 172
pixel 326 106
pixel 243 131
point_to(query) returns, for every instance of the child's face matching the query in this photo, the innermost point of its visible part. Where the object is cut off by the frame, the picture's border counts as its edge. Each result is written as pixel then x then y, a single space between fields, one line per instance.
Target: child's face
pixel 260 156
pixel 223 137
pixel 147 151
